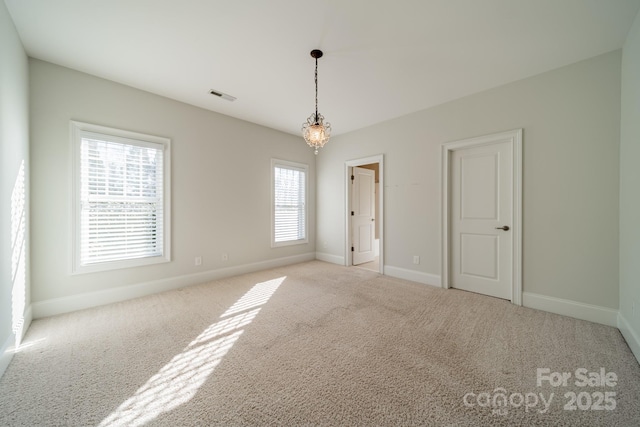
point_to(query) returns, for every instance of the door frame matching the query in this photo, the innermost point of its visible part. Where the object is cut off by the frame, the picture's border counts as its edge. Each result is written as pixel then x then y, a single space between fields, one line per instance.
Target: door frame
pixel 348 259
pixel 514 139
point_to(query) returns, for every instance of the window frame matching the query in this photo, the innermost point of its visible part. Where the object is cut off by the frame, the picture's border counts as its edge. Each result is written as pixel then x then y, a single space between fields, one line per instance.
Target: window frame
pixel 80 129
pixel 286 164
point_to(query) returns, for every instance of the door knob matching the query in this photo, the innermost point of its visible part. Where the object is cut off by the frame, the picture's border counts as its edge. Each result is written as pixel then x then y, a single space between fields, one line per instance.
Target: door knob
pixel 373 219
pixel 504 227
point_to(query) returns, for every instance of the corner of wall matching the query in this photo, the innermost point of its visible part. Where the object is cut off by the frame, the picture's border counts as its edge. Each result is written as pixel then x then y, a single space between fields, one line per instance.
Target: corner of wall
pixel 629 229
pixel 14 189
pixel 631 337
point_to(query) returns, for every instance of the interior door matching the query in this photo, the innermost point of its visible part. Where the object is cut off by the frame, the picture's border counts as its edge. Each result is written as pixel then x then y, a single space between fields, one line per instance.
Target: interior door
pixel 480 217
pixel 363 215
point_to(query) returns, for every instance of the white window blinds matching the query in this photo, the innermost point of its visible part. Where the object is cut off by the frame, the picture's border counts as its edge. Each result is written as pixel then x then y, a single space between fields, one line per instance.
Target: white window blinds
pixel 120 201
pixel 289 204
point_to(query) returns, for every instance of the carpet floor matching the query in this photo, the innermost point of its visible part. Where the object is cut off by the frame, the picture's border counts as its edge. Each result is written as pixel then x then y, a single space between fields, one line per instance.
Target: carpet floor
pixel 319 344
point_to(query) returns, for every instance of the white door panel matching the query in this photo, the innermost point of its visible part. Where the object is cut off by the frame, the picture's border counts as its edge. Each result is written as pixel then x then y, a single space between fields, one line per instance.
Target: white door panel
pixel 479 187
pixel 473 265
pixel 363 218
pixel 365 239
pixel 481 203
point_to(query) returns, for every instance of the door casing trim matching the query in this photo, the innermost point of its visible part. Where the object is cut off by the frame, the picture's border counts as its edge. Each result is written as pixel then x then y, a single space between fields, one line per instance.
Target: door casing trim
pixel 348 259
pixel 514 138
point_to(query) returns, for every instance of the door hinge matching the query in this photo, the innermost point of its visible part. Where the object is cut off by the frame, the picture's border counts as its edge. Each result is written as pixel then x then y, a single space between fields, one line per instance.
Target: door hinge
pixel 352 177
pixel 351 248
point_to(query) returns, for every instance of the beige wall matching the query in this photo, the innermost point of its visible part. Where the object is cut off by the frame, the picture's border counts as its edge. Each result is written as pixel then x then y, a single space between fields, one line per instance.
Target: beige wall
pixel 14 202
pixel 220 179
pixel 571 122
pixel 629 192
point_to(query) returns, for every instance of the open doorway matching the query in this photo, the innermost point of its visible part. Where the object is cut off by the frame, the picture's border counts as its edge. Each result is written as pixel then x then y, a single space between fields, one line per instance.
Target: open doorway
pixel 364 216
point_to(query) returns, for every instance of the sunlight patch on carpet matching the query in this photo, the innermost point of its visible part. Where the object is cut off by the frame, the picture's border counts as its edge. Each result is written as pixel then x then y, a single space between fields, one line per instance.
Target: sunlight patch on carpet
pixel 28 344
pixel 256 296
pixel 179 380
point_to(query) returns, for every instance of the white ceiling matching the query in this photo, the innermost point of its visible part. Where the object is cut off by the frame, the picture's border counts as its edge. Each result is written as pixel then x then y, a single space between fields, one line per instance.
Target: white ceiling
pixel 383 59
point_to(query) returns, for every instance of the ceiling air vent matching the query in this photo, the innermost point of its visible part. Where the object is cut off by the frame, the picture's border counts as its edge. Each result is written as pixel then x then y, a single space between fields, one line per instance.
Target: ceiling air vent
pixel 222 95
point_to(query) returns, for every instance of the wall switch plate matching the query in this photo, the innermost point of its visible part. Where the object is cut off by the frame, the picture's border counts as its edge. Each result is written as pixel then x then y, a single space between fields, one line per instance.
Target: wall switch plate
pixel 416 259
pixel 198 260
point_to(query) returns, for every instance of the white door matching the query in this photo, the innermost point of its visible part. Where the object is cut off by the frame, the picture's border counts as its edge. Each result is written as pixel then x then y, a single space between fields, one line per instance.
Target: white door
pixel 481 219
pixel 363 215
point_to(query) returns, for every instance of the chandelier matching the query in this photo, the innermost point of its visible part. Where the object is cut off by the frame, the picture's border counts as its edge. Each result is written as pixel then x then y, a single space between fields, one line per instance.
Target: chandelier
pixel 315 130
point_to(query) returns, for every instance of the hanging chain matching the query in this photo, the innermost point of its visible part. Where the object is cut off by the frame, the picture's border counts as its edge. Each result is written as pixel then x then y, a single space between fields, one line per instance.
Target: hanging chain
pixel 316 80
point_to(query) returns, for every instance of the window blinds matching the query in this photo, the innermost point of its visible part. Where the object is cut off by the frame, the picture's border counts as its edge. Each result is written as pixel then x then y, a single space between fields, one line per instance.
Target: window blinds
pixel 289 204
pixel 121 199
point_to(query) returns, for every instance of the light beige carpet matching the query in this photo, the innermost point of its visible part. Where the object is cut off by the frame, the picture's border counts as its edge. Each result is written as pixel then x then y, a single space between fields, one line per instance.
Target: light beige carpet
pixel 317 344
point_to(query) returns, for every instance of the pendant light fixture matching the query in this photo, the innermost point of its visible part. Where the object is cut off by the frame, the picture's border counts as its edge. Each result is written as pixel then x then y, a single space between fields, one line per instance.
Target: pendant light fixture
pixel 315 130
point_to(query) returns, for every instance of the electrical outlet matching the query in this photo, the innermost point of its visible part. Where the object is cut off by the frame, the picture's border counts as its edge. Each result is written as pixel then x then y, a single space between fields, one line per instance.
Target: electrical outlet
pixel 225 257
pixel 198 260
pixel 416 259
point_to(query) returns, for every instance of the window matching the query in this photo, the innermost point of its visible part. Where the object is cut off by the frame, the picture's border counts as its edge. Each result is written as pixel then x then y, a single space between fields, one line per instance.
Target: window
pixel 121 198
pixel 289 203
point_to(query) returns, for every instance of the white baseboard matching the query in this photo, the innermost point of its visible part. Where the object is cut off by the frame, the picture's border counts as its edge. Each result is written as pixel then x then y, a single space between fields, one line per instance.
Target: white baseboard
pixel 333 259
pixel 6 352
pixel 414 276
pixel 631 336
pixel 56 306
pixel 578 310
pixel 28 318
pixel 9 346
